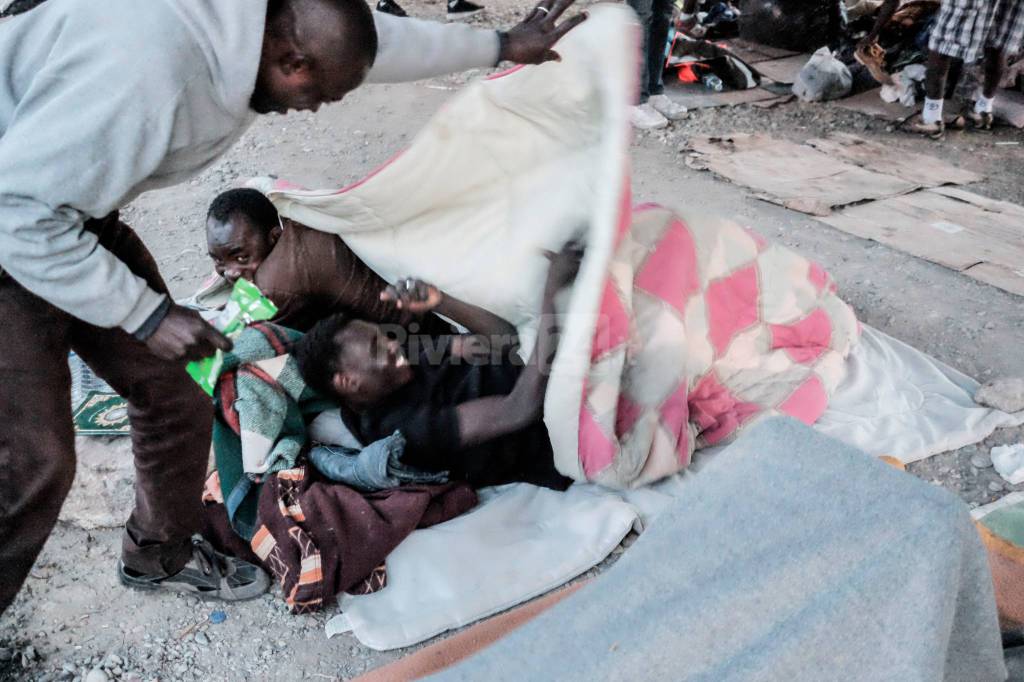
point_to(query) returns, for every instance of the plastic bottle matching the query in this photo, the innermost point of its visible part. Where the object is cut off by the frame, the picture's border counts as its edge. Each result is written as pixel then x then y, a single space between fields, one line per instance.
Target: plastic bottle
pixel 712 82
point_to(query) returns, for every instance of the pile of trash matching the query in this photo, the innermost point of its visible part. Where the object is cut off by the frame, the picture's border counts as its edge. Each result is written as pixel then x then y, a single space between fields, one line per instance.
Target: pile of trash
pixel 862 56
pixel 701 60
pixel 796 25
pixel 695 57
pixel 895 56
pixel 854 57
pixel 714 20
pixel 853 51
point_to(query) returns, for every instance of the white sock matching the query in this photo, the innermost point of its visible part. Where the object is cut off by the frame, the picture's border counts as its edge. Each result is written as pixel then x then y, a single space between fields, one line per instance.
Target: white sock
pixel 983 105
pixel 932 112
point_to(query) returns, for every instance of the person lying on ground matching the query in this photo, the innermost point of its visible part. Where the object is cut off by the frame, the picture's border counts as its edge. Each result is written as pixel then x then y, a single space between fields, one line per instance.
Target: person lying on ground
pixel 464 403
pixel 307 273
pixel 99 102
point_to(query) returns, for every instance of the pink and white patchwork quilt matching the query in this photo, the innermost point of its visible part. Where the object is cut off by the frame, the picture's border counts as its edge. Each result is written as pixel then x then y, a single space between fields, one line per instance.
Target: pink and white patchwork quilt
pixel 704 326
pixel 680 328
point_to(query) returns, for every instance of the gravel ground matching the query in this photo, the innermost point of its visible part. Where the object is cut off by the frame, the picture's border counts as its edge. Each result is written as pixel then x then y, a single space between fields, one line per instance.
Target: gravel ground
pixel 73 621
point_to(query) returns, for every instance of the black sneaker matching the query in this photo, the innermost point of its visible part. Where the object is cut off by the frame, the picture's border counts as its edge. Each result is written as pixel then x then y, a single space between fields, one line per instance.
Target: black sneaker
pixel 462 8
pixel 391 7
pixel 208 575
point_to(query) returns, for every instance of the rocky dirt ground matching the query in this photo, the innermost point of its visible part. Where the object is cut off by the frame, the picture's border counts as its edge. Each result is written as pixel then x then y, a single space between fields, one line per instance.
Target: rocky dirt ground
pixel 74 622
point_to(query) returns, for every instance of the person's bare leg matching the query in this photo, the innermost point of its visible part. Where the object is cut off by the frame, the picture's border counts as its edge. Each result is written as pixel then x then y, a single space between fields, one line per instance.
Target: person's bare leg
pixel 936 74
pixel 936 71
pixel 995 68
pixel 930 121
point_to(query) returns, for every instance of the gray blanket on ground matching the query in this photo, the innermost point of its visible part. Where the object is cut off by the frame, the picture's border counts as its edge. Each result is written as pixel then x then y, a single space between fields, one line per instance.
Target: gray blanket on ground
pixel 791 557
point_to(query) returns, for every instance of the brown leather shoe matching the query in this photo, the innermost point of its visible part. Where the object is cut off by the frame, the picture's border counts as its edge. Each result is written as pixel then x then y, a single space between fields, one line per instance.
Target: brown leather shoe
pixel 872 56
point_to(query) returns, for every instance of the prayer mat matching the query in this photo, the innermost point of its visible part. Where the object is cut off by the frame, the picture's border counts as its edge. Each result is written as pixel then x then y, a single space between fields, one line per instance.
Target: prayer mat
pixel 102 414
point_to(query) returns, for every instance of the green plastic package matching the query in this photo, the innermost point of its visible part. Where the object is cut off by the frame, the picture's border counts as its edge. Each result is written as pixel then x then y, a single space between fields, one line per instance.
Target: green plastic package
pixel 246 305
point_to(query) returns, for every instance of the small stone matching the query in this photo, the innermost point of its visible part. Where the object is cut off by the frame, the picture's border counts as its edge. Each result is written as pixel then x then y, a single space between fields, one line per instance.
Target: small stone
pixel 981 460
pixel 201 639
pixel 1003 394
pixel 97 675
pixel 995 486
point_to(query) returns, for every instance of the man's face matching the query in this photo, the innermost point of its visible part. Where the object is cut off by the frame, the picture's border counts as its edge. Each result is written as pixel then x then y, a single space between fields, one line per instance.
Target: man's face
pixel 238 247
pixel 320 62
pixel 282 88
pixel 372 366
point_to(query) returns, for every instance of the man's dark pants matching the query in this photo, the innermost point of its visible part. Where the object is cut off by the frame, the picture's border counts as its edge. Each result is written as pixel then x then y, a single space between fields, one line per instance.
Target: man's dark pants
pixel 171 422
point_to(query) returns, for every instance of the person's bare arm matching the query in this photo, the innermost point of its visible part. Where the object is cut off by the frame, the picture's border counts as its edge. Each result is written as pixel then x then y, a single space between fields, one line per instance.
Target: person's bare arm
pixel 484 419
pixel 885 13
pixel 417 297
pixel 410 49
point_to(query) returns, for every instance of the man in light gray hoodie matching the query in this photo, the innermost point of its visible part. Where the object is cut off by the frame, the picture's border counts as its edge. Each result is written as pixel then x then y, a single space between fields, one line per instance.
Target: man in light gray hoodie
pixel 98 103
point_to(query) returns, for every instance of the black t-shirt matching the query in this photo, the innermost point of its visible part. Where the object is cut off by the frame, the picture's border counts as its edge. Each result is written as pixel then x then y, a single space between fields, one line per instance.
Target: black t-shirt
pixel 424 411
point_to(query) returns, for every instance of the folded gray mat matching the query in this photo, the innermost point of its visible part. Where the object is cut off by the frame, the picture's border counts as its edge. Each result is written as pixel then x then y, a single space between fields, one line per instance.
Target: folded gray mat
pixel 791 557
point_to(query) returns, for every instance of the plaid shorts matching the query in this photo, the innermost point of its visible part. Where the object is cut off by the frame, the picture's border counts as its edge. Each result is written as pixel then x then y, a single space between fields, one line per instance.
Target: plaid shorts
pixel 965 27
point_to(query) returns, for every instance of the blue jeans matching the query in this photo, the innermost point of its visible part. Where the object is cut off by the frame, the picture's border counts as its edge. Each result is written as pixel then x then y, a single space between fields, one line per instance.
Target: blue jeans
pixel 655 19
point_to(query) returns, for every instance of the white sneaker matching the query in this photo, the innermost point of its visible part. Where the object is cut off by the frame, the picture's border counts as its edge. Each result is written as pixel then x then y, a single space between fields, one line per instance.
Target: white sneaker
pixel 646 117
pixel 667 108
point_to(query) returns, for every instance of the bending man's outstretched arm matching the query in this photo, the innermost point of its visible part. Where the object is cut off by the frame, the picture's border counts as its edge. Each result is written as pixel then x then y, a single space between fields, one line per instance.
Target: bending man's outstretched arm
pixel 413 49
